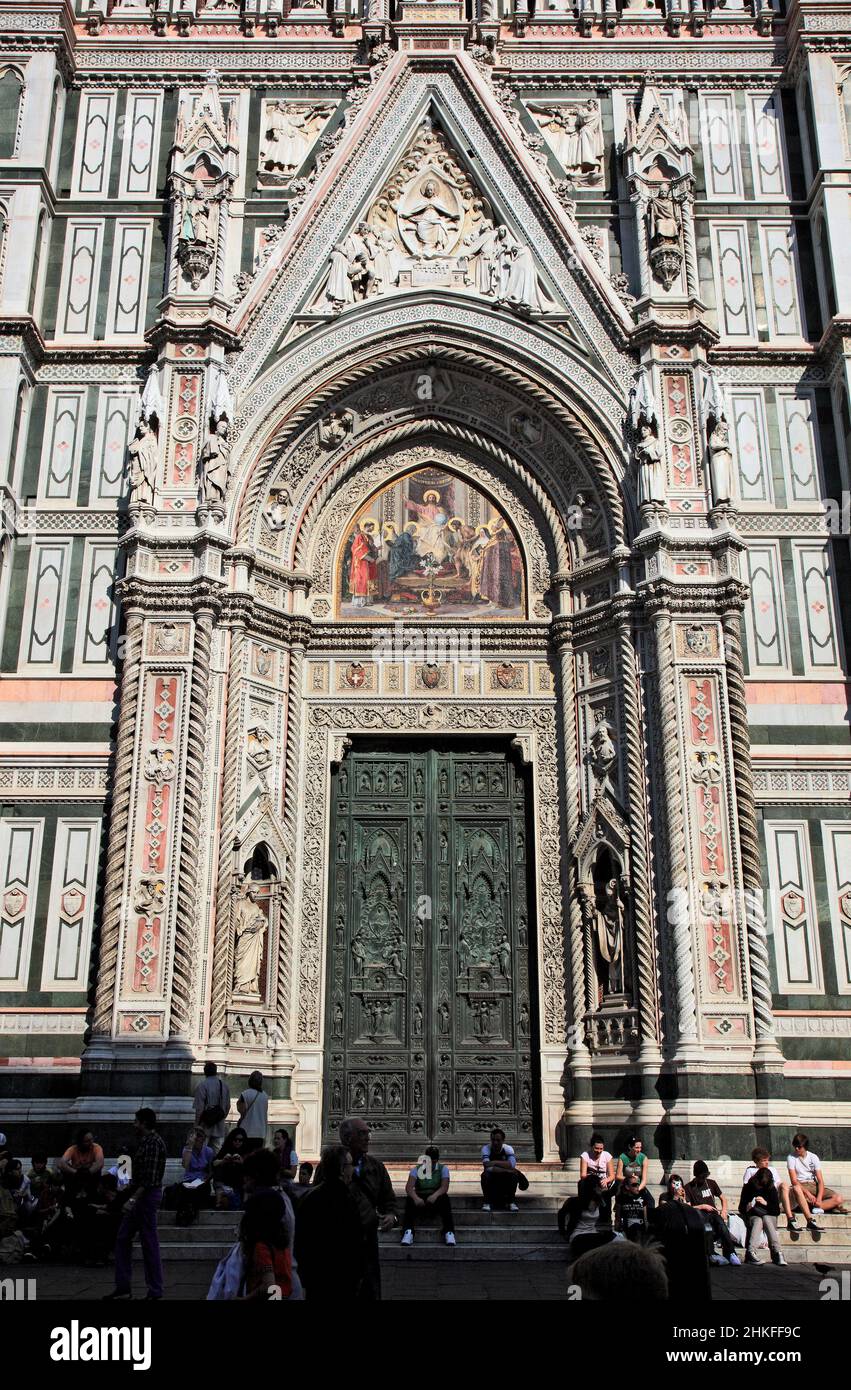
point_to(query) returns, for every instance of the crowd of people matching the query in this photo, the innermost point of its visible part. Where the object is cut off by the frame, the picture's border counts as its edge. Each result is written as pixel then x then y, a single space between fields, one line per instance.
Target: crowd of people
pixel 613 1202
pixel 314 1234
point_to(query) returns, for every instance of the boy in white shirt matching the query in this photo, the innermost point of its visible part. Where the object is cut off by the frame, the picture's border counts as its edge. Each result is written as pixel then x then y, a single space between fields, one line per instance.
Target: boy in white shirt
pixel 807 1181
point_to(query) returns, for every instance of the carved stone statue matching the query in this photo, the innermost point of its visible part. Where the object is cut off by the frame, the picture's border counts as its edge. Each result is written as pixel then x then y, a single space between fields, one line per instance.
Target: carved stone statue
pixel 576 136
pixel 144 459
pixel 195 221
pixel 214 466
pixel 606 919
pixel 249 936
pixel 720 462
pixel 602 755
pixel 652 484
pixel 664 230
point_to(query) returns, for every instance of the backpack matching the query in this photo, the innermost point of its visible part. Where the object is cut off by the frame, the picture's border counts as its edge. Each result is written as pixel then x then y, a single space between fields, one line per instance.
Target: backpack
pixel 213 1114
pixel 229 1279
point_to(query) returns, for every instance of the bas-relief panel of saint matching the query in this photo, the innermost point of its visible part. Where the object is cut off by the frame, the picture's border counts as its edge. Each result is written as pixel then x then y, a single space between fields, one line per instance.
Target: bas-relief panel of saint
pixel 430 545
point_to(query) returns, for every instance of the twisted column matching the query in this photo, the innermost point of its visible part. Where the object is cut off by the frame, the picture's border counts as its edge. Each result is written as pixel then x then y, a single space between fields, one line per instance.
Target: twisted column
pixel 114 915
pixel 645 944
pixel 185 934
pixel 291 769
pixel 227 824
pixel 677 909
pixel 760 970
pixel 577 936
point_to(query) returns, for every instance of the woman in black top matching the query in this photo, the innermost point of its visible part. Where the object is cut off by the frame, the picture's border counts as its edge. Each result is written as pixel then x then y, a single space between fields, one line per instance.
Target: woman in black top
pixel 759 1204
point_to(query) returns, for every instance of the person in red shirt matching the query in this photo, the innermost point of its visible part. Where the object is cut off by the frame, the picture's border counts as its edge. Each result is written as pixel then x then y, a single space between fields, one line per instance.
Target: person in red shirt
pixel 361 567
pixel 265 1248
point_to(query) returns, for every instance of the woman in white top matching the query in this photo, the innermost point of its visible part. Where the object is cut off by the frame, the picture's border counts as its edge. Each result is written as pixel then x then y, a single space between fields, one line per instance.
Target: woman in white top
pixel 253 1106
pixel 597 1162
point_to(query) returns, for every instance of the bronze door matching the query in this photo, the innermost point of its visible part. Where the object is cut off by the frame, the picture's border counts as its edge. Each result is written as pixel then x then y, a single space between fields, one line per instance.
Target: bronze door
pixel 429 1015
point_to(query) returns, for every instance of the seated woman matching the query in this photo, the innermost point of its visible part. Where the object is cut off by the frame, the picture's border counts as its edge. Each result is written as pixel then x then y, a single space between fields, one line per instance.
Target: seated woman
pixel 585 1220
pixel 286 1154
pixel 228 1171
pixel 194 1190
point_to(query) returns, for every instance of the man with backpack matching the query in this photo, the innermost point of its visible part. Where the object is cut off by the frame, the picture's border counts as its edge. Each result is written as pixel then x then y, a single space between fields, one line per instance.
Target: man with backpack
pixel 212 1106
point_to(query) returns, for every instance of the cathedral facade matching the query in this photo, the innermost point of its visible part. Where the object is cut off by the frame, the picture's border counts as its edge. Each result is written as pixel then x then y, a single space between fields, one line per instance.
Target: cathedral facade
pixel 425 567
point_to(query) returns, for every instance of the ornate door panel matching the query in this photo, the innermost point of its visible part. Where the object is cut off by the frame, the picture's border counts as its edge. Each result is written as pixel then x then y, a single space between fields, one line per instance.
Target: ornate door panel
pixel 429 1014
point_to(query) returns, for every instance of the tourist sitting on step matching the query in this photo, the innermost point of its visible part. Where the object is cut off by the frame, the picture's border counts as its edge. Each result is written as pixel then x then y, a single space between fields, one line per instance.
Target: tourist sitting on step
pixel 585 1221
pixel 704 1194
pixel 634 1161
pixel 287 1156
pixel 194 1191
pixel 228 1171
pixel 80 1166
pixel 500 1178
pixel 632 1205
pixel 807 1182
pixel 427 1191
pixel 759 1205
pixel 761 1158
pixel 596 1162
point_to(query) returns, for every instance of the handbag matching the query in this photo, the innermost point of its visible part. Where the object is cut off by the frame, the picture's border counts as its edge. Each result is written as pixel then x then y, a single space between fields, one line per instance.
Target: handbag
pixel 213 1114
pixel 228 1282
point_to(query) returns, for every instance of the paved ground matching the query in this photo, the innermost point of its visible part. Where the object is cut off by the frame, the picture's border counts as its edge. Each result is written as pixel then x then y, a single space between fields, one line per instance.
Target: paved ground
pixel 527 1280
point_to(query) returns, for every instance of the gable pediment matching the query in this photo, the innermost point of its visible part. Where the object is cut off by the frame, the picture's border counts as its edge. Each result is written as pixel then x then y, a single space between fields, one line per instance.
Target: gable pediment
pixel 489 226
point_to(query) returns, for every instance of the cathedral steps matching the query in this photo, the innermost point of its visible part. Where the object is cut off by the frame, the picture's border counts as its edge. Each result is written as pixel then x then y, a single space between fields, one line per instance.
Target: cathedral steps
pixel 530 1234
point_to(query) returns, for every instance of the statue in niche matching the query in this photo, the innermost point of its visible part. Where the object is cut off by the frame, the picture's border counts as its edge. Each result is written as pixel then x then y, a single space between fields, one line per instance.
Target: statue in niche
pixel 523 1021
pixel 501 954
pixel 602 909
pixel 358 954
pixel 276 509
pixel 602 754
pixel 144 459
pixel 195 217
pixel 652 484
pixel 338 1021
pixel 718 441
pixel 249 937
pixel 664 234
pixel 214 466
pixel 443 1018
pixel 417 1027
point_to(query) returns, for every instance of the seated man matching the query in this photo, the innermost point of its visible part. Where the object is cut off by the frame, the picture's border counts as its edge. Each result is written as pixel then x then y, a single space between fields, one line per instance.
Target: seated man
pixel 427 1189
pixel 632 1205
pixel 807 1181
pixel 704 1194
pixel 81 1166
pixel 499 1179
pixel 760 1158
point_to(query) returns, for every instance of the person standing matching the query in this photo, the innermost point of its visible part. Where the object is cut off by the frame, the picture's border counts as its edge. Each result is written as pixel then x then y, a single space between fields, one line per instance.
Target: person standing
pixel 253 1107
pixel 330 1239
pixel 427 1189
pixel 140 1211
pixel 374 1193
pixel 212 1105
pixel 266 1250
pixel 499 1177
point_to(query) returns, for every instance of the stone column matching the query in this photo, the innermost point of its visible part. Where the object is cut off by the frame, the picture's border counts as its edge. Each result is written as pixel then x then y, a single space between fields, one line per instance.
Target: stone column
pixel 221 980
pixel 649 1055
pixel 767 1054
pixel 578 1112
pixel 674 893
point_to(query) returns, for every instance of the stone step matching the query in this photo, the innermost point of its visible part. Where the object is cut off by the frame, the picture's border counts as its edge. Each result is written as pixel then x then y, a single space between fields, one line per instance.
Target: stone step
pixel 509 1231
